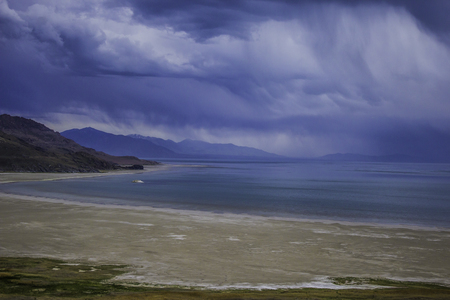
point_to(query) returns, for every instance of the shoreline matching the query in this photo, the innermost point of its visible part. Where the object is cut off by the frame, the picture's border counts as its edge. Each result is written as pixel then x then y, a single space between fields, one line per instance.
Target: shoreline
pixel 171 247
pixel 204 250
pixel 23 177
pixel 211 214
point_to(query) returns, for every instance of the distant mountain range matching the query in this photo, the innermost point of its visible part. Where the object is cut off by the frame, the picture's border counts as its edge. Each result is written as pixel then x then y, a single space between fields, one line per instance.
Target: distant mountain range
pixel 116 144
pixel 151 147
pixel 204 149
pixel 28 146
pixel 154 148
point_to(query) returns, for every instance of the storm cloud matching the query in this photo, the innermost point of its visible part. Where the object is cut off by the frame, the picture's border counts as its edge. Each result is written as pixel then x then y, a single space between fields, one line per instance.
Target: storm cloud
pixel 299 78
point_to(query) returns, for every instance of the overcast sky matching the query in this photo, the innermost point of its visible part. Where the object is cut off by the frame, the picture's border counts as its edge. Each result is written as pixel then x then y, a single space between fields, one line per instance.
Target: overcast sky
pixel 298 78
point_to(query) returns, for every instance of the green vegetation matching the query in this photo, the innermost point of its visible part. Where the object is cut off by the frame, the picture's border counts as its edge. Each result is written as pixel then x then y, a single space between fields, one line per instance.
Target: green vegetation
pixel 42 278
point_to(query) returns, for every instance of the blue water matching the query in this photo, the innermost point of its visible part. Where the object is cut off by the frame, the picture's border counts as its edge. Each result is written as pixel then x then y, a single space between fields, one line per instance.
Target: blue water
pixel 388 193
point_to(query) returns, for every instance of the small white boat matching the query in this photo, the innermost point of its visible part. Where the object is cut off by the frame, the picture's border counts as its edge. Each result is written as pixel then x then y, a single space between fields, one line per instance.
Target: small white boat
pixel 137 181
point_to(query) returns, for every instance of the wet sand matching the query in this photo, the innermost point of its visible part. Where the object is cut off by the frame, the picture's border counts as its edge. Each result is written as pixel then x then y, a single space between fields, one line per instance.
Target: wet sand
pixel 164 246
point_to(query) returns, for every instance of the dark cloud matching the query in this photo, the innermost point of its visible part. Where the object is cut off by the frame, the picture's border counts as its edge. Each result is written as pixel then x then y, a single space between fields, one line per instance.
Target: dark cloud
pixel 297 77
pixel 419 139
pixel 206 19
pixel 201 19
pixel 432 14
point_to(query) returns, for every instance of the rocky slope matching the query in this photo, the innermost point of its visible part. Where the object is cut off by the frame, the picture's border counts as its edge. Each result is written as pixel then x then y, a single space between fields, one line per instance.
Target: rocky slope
pixel 28 146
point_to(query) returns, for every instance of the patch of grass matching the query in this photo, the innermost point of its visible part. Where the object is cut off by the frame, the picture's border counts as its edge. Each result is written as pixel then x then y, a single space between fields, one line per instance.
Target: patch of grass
pixel 42 278
pixel 45 277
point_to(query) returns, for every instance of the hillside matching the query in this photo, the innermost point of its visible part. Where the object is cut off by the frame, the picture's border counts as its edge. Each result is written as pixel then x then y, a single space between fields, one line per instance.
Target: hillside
pixel 28 146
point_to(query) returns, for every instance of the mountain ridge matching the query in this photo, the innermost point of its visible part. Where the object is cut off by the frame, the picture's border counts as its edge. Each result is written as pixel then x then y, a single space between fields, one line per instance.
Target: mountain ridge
pixel 29 146
pixel 116 144
pixel 144 146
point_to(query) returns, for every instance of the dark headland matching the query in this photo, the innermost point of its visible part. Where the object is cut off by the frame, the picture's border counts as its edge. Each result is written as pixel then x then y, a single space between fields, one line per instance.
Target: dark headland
pixel 28 146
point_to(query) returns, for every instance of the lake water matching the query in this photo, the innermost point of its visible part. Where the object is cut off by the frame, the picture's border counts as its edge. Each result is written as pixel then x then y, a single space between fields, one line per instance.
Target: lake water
pixel 387 193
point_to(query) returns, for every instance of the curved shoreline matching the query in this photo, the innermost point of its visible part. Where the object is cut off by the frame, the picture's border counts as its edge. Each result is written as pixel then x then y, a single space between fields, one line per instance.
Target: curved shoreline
pixel 5 178
pixel 211 214
pixel 187 248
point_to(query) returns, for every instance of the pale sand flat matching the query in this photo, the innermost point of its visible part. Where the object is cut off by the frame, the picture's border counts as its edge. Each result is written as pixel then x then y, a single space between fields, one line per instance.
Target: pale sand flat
pixel 207 249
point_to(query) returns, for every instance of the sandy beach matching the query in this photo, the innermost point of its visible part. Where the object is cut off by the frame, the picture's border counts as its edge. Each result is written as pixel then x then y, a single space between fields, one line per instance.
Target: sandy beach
pixel 173 247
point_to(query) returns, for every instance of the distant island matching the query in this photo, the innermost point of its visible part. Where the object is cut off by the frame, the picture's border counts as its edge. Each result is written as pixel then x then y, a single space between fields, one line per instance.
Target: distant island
pixel 29 146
